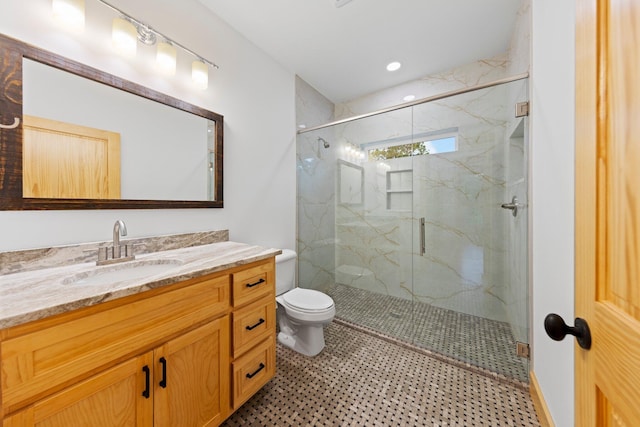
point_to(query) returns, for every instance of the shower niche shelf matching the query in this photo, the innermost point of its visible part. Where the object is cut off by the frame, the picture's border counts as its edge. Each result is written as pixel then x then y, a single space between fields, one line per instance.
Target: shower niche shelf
pixel 400 190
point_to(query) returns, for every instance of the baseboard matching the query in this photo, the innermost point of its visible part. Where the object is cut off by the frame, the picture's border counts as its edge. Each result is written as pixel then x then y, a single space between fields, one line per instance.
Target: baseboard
pixel 544 416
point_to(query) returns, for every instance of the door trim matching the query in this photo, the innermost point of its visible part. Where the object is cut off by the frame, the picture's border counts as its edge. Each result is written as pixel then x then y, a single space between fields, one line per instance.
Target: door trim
pixel 542 410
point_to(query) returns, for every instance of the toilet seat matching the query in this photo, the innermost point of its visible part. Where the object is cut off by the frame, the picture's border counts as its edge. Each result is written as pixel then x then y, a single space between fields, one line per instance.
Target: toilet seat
pixel 307 306
pixel 307 300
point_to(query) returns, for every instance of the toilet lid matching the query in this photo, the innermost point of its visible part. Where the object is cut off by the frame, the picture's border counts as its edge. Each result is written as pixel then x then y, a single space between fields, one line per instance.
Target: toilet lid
pixel 307 300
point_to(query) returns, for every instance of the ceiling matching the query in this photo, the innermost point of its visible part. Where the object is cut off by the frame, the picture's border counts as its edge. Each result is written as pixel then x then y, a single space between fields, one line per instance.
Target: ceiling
pixel 343 51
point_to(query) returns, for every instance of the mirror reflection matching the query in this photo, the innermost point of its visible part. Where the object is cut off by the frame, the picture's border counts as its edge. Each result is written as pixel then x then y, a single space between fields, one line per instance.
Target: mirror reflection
pixel 350 183
pixel 86 140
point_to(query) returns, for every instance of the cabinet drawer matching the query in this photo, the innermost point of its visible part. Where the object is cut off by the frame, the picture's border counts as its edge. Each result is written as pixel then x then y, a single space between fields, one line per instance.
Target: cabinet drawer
pixel 252 324
pixel 254 282
pixel 253 370
pixel 39 362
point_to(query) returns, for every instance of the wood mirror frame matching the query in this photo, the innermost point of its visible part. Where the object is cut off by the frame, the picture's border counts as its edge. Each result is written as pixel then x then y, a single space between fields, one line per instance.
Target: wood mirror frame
pixel 12 53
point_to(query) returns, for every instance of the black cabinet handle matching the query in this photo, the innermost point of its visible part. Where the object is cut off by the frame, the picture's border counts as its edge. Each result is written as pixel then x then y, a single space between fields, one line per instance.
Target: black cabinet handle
pixel 251 285
pixel 147 380
pixel 163 381
pixel 260 322
pixel 256 371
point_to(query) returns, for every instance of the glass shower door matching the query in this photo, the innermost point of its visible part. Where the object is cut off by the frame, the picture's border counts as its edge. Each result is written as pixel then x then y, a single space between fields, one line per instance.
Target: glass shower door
pixel 373 225
pixel 470 254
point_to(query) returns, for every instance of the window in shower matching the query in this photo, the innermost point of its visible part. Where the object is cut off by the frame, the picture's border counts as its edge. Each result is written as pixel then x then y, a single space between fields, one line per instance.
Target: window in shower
pixel 397 151
pixel 444 141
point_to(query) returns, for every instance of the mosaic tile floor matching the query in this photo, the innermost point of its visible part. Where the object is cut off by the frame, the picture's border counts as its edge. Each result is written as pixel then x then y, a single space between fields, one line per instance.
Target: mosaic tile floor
pixel 362 380
pixel 481 342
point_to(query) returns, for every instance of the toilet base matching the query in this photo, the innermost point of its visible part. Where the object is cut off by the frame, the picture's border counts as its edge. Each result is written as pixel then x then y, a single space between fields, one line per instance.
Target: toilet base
pixel 304 339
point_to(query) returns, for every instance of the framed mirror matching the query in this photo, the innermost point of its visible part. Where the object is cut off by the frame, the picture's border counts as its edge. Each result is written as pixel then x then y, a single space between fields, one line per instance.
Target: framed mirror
pixel 73 137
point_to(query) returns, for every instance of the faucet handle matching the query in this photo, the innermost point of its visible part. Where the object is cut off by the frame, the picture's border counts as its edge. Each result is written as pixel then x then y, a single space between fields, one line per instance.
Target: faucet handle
pixel 105 254
pixel 128 251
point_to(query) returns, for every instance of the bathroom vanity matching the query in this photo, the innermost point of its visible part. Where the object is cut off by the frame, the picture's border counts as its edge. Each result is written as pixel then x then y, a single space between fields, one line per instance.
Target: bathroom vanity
pixel 185 344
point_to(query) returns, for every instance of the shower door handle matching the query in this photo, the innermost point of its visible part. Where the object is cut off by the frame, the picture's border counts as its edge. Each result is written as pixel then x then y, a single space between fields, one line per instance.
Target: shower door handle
pixel 423 241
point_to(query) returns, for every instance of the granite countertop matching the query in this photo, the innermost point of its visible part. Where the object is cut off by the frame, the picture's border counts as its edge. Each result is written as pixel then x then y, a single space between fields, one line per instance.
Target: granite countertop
pixel 36 294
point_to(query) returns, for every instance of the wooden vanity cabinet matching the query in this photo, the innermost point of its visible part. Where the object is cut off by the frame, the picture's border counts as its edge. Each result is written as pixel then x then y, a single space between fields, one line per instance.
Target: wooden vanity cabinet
pixel 254 330
pixel 134 393
pixel 159 358
pixel 191 377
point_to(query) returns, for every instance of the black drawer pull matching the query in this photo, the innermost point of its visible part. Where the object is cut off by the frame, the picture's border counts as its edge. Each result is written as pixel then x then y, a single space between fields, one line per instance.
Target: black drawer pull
pixel 260 322
pixel 251 285
pixel 163 381
pixel 256 372
pixel 147 380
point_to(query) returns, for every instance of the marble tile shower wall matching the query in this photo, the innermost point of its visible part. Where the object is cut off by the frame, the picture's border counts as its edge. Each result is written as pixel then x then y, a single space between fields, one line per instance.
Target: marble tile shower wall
pixel 316 214
pixel 316 170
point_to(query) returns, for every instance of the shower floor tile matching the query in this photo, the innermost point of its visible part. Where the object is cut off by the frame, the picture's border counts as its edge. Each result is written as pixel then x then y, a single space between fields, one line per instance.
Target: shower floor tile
pixel 480 342
pixel 360 379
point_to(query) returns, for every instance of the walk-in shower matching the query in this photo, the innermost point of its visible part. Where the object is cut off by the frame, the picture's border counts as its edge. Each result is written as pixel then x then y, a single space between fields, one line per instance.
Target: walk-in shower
pixel 409 221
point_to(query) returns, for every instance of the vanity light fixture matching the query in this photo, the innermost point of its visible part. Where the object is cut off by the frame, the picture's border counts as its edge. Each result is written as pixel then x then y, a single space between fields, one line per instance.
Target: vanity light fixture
pixel 200 74
pixel 127 31
pixel 70 13
pixel 166 58
pixel 394 66
pixel 124 36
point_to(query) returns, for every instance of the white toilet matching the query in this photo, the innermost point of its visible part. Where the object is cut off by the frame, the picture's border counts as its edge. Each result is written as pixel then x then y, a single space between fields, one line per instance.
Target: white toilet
pixel 302 313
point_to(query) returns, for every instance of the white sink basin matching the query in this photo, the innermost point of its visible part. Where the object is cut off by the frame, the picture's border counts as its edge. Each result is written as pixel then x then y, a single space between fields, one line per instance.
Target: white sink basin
pixel 115 273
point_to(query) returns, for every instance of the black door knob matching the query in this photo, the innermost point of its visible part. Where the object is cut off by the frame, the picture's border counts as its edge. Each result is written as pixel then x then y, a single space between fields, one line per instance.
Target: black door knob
pixel 557 330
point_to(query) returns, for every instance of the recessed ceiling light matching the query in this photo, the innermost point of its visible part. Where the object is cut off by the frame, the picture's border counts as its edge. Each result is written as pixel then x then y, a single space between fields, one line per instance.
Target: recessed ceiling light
pixel 393 66
pixel 302 126
pixel 409 98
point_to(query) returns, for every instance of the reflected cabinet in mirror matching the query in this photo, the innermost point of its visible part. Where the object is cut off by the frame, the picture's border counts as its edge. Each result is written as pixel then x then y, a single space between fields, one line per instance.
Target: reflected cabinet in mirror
pixel 73 137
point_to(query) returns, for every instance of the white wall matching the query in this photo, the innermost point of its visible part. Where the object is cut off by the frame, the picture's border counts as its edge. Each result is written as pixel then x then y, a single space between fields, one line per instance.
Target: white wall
pixel 552 207
pixel 253 93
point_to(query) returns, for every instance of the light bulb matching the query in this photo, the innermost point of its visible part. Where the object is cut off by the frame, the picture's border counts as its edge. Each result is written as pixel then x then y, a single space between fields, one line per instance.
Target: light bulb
pixel 200 74
pixel 70 13
pixel 125 37
pixel 166 58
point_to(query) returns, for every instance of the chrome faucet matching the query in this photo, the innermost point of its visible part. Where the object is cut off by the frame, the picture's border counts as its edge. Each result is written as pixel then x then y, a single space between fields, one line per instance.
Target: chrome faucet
pixel 117 252
pixel 118 228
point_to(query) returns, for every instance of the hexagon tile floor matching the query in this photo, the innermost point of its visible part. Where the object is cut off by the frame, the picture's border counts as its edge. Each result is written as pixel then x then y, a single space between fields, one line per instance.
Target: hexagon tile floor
pixel 362 380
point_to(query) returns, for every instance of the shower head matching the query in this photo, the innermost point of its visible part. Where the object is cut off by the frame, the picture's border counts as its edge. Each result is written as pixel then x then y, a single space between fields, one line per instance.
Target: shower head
pixel 325 144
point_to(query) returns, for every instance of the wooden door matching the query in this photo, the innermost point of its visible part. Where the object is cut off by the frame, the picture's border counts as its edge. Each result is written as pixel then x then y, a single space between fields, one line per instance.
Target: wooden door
pixel 608 211
pixel 195 367
pixel 67 161
pixel 110 398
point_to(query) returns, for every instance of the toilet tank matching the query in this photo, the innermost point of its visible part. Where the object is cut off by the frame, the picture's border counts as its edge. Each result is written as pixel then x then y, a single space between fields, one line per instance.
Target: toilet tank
pixel 285 271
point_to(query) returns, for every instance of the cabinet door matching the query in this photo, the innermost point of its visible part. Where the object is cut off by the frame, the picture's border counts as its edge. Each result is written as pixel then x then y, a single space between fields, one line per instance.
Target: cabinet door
pixel 191 385
pixel 111 398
